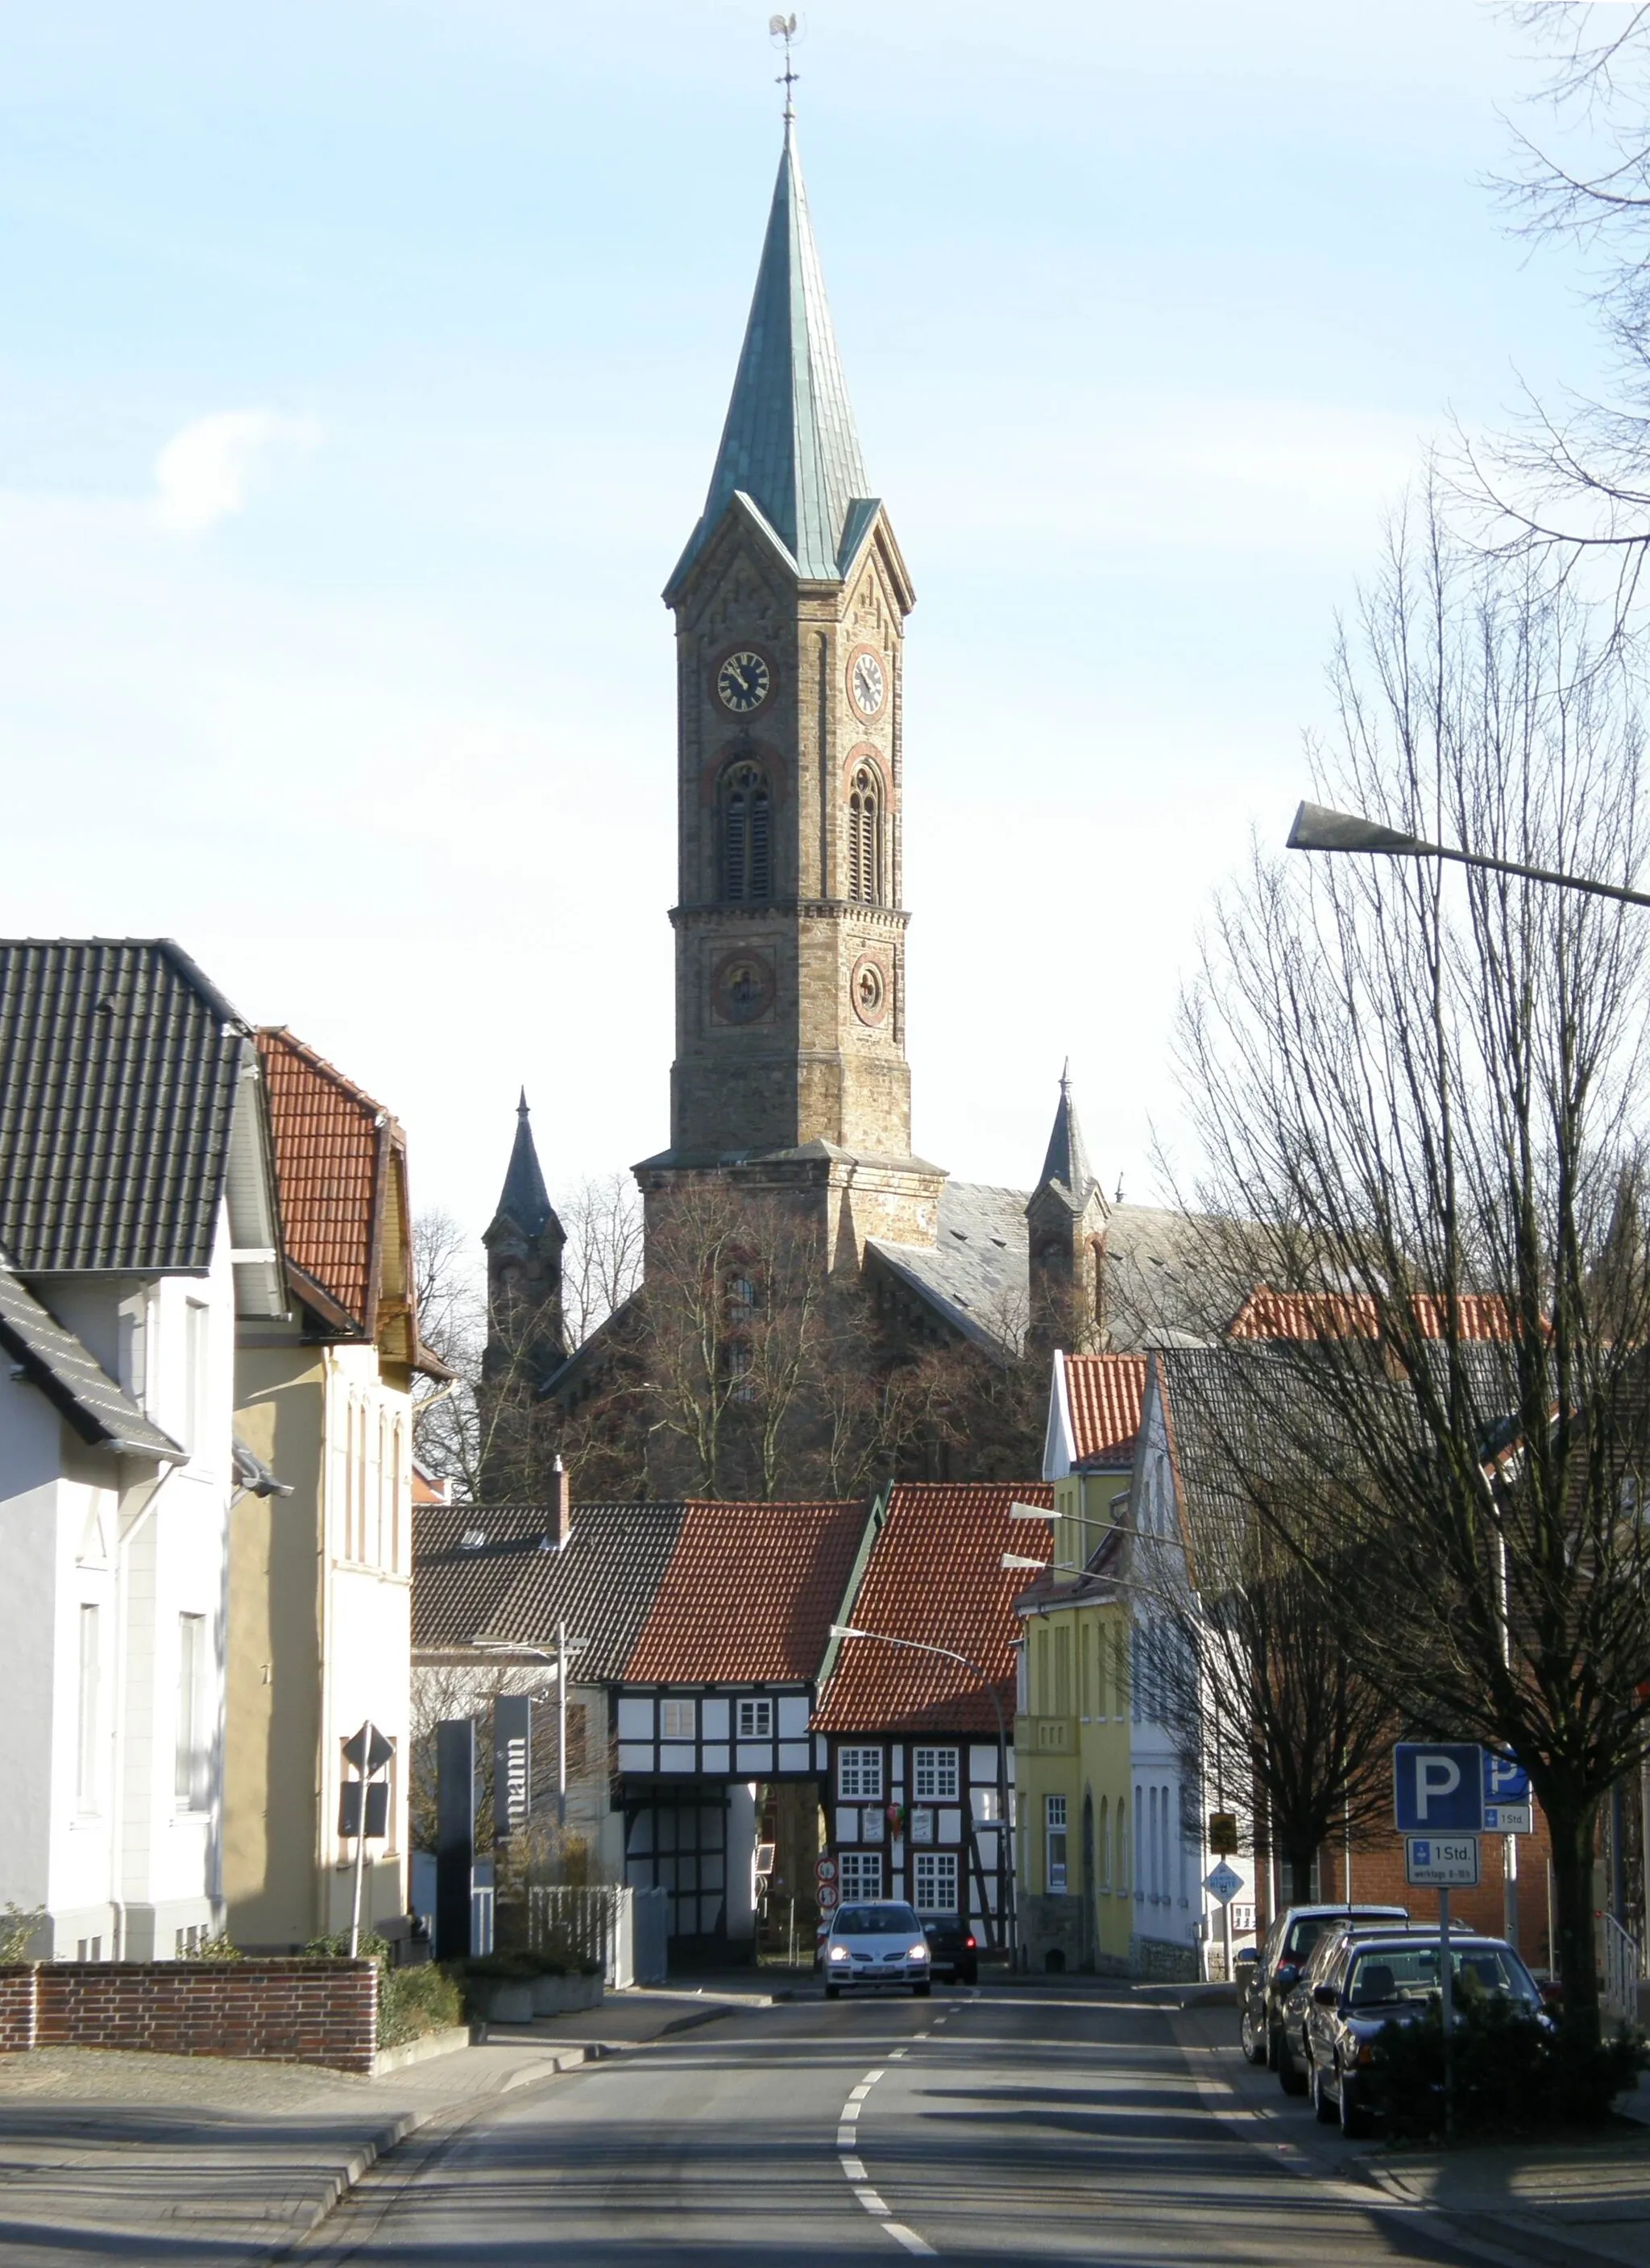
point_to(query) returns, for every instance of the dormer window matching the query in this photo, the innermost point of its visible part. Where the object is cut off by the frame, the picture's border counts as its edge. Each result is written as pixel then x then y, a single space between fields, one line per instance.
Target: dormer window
pixel 746 833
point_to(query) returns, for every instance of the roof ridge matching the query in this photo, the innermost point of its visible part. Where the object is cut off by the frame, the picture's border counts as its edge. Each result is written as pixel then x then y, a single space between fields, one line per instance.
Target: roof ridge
pixel 318 1061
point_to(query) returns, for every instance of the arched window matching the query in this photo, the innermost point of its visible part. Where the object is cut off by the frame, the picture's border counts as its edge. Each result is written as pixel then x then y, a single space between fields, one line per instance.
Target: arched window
pixel 746 810
pixel 865 838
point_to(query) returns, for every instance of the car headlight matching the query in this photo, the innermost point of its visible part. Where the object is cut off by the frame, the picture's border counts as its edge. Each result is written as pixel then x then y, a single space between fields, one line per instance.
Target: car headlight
pixel 919 1953
pixel 840 1953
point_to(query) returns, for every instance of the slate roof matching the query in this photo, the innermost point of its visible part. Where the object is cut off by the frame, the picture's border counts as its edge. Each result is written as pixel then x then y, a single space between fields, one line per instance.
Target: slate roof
pixel 789 444
pixel 750 1594
pixel 493 1573
pixel 119 1063
pixel 1104 1394
pixel 934 1573
pixel 53 1359
pixel 977 1274
pixel 524 1201
pixel 1066 1160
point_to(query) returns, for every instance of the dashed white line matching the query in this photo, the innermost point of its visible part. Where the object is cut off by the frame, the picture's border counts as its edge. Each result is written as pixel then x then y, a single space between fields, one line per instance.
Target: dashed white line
pixel 909 2238
pixel 853 2166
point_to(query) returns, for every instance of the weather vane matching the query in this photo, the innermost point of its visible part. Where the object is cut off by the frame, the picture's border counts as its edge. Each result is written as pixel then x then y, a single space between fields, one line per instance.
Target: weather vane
pixel 787 29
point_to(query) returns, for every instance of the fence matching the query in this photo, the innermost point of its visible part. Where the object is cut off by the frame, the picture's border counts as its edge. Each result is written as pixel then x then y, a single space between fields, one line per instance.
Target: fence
pixel 625 1930
pixel 1622 1966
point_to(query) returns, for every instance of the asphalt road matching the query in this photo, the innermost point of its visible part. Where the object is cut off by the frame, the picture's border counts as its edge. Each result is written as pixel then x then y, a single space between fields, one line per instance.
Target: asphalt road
pixel 1017 2125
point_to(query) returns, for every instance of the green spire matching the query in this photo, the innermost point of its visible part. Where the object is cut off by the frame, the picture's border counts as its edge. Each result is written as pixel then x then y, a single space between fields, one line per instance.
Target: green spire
pixel 789 443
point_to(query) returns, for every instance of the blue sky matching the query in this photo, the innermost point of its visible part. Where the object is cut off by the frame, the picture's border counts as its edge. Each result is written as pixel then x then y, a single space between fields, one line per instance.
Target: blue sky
pixel 361 369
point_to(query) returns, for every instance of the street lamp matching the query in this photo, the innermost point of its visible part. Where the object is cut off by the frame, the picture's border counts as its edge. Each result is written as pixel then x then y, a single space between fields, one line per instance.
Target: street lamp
pixel 1005 1873
pixel 1316 829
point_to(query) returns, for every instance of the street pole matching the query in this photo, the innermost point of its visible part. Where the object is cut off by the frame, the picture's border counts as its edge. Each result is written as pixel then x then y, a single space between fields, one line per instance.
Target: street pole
pixel 560 1725
pixel 1447 2010
pixel 360 1846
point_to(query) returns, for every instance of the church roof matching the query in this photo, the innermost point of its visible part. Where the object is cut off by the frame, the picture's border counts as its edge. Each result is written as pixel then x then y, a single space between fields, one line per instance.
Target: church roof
pixel 975 1275
pixel 1067 1160
pixel 524 1201
pixel 789 444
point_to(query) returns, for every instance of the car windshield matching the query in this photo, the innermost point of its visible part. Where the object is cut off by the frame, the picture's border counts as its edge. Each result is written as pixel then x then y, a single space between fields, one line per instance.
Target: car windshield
pixel 1310 1927
pixel 876 1921
pixel 1389 1974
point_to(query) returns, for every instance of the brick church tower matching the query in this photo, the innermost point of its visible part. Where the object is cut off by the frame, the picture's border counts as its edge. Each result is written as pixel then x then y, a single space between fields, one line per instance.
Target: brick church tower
pixel 789 602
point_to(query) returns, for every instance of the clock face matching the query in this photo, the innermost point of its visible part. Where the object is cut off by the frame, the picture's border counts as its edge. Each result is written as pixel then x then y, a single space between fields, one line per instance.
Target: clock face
pixel 743 682
pixel 866 683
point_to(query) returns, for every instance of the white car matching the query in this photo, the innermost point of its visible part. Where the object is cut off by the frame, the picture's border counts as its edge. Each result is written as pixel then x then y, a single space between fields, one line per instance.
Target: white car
pixel 875 1945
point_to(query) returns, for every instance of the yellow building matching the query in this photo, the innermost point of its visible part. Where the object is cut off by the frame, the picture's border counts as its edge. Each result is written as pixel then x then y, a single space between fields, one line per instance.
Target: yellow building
pixel 1074 1857
pixel 319 1580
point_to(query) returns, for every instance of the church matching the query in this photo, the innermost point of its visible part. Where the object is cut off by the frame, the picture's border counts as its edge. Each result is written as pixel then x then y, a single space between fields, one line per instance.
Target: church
pixel 790 1084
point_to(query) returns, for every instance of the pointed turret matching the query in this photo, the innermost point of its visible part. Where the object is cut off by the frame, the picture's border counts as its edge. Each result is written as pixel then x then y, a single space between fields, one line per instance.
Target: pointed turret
pixel 789 444
pixel 1065 1221
pixel 524 1241
pixel 1067 1160
pixel 524 1200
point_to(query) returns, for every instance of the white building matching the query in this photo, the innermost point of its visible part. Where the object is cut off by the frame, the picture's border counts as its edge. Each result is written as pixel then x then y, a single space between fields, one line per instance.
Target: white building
pixel 137 1221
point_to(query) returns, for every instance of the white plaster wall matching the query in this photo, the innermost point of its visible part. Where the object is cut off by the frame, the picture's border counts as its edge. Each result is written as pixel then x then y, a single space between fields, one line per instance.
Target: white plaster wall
pixel 80 1867
pixel 30 1457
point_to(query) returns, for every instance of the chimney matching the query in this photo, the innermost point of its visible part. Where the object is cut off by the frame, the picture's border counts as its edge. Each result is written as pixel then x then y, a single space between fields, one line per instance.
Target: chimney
pixel 561 1497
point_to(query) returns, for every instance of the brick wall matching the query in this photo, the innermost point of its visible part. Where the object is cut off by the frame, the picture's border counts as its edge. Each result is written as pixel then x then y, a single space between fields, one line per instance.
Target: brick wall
pixel 291 2010
pixel 1378 1876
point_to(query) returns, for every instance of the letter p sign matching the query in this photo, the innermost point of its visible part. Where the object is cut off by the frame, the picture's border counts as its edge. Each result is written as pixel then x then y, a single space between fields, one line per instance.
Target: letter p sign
pixel 1438 1787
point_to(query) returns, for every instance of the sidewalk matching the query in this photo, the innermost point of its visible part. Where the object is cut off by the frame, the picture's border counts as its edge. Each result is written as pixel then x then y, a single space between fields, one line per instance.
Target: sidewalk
pixel 1569 2204
pixel 192 2158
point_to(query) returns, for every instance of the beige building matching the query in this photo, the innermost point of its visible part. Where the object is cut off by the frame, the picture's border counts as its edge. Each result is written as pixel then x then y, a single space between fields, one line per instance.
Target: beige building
pixel 319 1580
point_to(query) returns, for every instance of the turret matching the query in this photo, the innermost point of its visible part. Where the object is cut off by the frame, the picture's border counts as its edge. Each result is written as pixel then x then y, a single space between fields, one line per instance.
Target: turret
pixel 526 1332
pixel 1066 1236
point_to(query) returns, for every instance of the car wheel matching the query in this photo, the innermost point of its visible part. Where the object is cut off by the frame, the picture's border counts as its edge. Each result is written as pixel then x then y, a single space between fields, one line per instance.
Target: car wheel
pixel 1328 2112
pixel 833 1991
pixel 1291 2077
pixel 1256 2048
pixel 924 1990
pixel 1276 2052
pixel 1356 2123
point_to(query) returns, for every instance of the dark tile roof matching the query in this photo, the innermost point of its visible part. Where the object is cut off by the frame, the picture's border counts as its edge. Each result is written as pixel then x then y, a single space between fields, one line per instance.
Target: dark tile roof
pixel 118 1070
pixel 935 1573
pixel 976 1275
pixel 74 1380
pixel 750 1593
pixel 493 1573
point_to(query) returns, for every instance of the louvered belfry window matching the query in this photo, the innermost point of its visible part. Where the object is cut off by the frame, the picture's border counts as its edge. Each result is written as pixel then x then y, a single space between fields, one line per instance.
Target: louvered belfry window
pixel 865 839
pixel 747 869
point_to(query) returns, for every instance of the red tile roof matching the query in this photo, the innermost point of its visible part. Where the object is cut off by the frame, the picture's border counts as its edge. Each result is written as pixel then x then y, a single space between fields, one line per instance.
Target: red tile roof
pixel 328 1155
pixel 1267 1315
pixel 936 1573
pixel 1104 1394
pixel 750 1591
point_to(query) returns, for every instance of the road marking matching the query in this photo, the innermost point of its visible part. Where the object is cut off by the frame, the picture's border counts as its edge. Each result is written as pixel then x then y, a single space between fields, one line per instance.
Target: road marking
pixel 909 2238
pixel 847 2137
pixel 895 2054
pixel 872 2202
pixel 850 2111
pixel 854 2169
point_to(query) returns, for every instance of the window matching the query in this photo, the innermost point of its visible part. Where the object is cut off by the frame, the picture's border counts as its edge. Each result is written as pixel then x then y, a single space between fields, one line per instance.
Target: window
pixel 860 1773
pixel 86 1721
pixel 988 1805
pixel 746 875
pixel 193 1770
pixel 1053 1825
pixel 865 838
pixel 756 1720
pixel 197 1377
pixel 934 1774
pixel 934 1881
pixel 860 1873
pixel 676 1719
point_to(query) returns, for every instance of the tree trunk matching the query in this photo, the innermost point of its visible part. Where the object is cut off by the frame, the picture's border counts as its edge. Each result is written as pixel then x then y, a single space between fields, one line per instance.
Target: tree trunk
pixel 1574 1953
pixel 1299 1863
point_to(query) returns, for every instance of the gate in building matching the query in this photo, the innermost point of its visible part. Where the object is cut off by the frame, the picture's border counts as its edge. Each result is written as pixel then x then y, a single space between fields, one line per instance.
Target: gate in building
pixel 679 1844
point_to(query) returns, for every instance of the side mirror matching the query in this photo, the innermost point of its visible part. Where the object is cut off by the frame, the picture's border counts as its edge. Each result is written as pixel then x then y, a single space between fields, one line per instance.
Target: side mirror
pixel 1325 1995
pixel 1285 1973
pixel 1247 1952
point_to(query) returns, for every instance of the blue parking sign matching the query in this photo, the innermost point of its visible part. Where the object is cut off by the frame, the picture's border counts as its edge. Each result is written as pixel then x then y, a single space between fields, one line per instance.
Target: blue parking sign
pixel 1505 1779
pixel 1438 1787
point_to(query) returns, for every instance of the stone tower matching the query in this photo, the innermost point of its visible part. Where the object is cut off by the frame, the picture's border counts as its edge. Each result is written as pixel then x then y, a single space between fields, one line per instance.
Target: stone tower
pixel 526 1333
pixel 1065 1221
pixel 789 603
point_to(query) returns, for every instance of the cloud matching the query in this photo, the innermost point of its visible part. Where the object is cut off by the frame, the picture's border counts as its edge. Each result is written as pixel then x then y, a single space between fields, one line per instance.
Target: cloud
pixel 204 472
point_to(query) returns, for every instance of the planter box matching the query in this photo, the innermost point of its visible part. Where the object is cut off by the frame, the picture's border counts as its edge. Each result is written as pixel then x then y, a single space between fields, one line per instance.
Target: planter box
pixel 504 1999
pixel 562 1996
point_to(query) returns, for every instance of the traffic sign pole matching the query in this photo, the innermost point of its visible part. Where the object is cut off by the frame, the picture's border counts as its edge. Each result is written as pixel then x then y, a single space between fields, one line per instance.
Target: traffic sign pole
pixel 1447 2010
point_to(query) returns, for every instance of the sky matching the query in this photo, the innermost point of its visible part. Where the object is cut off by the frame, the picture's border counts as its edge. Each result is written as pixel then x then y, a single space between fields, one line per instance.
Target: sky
pixel 362 366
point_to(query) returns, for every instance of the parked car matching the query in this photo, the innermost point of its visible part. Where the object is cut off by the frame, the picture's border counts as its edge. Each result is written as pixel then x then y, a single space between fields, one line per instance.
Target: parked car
pixel 876 1945
pixel 953 1949
pixel 1375 1980
pixel 1292 2049
pixel 1264 1983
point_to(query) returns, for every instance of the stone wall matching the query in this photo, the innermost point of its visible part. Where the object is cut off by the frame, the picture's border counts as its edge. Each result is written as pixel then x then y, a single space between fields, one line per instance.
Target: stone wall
pixel 281 2011
pixel 1168 1965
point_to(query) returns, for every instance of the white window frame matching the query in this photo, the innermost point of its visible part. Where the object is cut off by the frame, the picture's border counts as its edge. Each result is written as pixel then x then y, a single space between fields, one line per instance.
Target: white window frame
pixel 192 1767
pixel 934 1775
pixel 197 1378
pixel 933 1876
pixel 88 1726
pixel 755 1718
pixel 678 1718
pixel 859 1876
pixel 1056 1847
pixel 859 1775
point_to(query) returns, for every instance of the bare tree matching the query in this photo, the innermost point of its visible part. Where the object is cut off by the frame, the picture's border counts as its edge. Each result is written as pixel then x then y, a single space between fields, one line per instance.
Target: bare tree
pixel 601 1266
pixel 453 1324
pixel 1419 1095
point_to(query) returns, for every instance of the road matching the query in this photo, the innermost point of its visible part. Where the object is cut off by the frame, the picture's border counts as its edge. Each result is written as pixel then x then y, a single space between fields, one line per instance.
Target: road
pixel 1014 2126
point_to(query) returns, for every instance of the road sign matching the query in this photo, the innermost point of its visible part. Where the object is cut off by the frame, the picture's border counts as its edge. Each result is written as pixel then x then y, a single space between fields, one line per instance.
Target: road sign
pixel 825 1870
pixel 377 1809
pixel 1223 1833
pixel 1505 1779
pixel 368 1755
pixel 1223 1883
pixel 827 1897
pixel 1438 1787
pixel 1509 1819
pixel 1441 1862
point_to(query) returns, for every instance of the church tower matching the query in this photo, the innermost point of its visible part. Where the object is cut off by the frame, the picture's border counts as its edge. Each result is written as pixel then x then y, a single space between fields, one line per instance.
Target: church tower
pixel 1065 1222
pixel 789 602
pixel 526 1335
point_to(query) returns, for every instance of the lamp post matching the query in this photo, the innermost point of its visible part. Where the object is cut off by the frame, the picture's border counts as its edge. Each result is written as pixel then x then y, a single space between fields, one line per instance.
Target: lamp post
pixel 1317 828
pixel 1004 1873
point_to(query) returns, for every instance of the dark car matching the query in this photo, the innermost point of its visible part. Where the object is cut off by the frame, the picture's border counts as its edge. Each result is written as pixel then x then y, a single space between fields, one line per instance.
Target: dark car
pixel 1376 1980
pixel 1292 2070
pixel 954 1950
pixel 1266 1983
